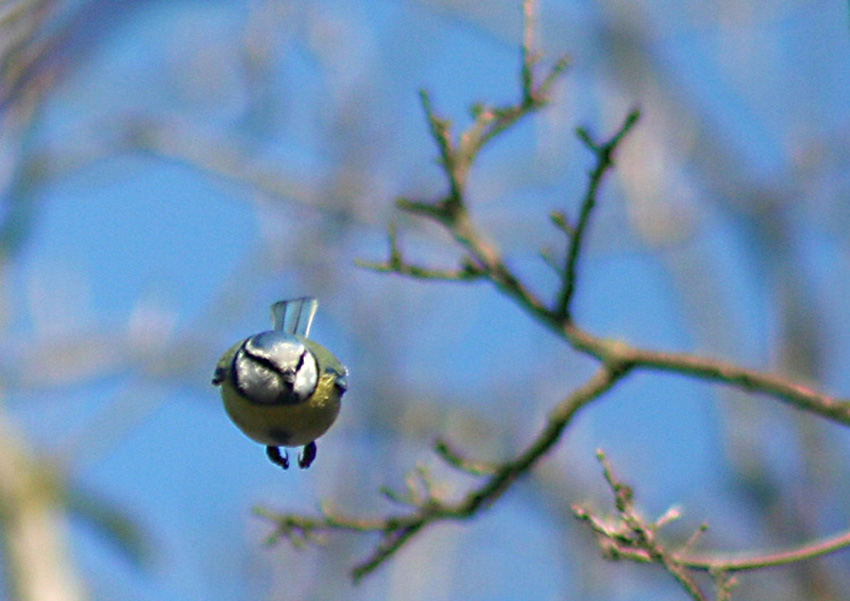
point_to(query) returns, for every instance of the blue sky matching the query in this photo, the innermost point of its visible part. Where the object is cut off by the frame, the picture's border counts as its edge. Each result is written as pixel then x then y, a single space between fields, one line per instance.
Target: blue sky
pixel 207 159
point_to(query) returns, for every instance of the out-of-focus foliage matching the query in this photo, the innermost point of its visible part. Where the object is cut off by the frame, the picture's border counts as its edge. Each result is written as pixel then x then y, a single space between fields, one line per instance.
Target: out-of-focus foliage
pixel 169 169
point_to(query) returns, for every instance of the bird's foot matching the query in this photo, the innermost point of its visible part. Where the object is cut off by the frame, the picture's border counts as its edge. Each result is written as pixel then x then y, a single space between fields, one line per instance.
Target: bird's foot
pixel 278 458
pixel 307 456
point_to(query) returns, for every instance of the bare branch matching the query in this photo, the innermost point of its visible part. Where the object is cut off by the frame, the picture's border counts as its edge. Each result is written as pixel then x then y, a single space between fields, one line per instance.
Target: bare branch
pixel 631 536
pixel 604 162
pixel 731 562
pixel 397 264
pixel 453 165
pixel 455 459
pixel 530 56
pixel 712 370
pixel 428 507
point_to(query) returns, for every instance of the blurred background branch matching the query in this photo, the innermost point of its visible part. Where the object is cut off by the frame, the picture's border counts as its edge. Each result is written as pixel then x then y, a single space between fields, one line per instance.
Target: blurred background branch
pixel 167 170
pixel 34 517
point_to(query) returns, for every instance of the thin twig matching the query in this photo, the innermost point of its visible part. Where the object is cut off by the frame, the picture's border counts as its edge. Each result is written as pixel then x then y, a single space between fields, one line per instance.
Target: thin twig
pixel 729 562
pixel 397 264
pixel 530 56
pixel 604 154
pixel 453 167
pixel 632 536
pixel 453 457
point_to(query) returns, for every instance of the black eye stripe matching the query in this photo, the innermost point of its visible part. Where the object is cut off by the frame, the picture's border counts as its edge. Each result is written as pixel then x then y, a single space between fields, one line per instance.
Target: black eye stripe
pixel 291 372
pixel 234 372
pixel 262 360
pixel 268 363
pixel 301 358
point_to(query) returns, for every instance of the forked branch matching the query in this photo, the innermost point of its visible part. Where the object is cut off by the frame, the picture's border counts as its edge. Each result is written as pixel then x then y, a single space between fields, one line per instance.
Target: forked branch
pixel 425 503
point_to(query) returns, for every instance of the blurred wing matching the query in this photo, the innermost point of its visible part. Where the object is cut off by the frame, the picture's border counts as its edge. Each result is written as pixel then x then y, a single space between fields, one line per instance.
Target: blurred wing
pixel 295 316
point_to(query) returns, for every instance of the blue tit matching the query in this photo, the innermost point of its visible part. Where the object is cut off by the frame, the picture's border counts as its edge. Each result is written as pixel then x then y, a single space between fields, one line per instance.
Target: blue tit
pixel 281 388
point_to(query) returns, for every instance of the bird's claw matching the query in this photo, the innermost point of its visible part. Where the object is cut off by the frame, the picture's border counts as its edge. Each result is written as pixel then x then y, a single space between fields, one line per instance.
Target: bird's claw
pixel 307 456
pixel 278 458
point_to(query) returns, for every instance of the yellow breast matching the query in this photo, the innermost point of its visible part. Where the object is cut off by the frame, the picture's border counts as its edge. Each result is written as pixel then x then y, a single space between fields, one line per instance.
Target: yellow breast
pixel 285 425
